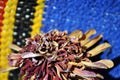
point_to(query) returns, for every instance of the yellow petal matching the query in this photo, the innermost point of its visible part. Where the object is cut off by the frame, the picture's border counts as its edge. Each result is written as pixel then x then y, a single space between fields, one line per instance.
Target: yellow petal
pixel 101 64
pixel 58 70
pixel 64 78
pixel 108 63
pixel 90 33
pixel 75 64
pixel 33 77
pixel 100 48
pixel 87 35
pixel 15 47
pixel 83 42
pixel 76 34
pixel 93 41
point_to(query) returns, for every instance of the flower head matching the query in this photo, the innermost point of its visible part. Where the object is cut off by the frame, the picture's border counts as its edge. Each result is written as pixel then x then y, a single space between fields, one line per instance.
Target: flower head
pixel 58 56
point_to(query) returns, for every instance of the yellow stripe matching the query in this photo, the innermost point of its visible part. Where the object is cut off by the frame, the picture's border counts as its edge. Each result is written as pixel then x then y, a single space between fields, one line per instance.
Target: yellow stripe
pixel 6 34
pixel 37 21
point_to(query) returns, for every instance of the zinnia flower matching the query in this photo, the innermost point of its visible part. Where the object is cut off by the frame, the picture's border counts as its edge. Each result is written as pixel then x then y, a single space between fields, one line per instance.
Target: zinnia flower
pixel 58 56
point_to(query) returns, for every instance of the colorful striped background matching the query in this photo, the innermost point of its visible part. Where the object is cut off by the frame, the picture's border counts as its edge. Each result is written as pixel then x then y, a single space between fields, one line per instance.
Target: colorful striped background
pixel 20 19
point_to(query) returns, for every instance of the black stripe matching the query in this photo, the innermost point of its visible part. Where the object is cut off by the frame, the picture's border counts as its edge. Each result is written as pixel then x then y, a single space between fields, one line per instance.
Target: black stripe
pixel 24 15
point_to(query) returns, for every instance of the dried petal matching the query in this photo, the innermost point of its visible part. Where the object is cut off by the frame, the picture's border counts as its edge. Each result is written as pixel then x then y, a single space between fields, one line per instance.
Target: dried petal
pixel 76 34
pixel 75 64
pixel 58 70
pixel 30 55
pixel 85 73
pixel 7 69
pixel 87 35
pixel 13 62
pixel 94 65
pixel 90 33
pixel 15 47
pixel 14 56
pixel 98 49
pixel 107 63
pixel 83 42
pixel 64 78
pixel 93 41
pixel 46 77
pixel 33 77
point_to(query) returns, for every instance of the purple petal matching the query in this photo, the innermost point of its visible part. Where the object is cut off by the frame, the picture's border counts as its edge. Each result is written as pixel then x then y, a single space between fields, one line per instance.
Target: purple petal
pixel 101 65
pixel 84 73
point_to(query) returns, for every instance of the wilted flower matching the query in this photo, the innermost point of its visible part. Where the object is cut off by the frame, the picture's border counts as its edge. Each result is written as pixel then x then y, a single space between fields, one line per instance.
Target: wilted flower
pixel 58 56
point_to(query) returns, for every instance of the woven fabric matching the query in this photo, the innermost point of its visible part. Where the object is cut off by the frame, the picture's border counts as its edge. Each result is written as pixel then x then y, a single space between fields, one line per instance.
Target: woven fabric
pixel 102 15
pixel 6 38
